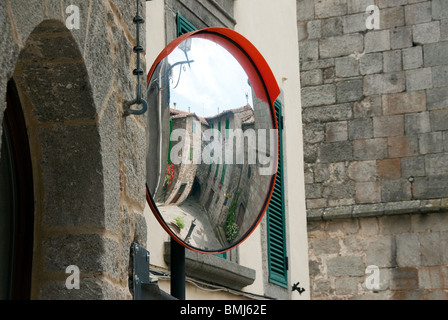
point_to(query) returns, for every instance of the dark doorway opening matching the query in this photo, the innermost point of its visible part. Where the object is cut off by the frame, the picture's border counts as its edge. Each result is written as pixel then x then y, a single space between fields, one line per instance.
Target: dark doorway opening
pixel 18 195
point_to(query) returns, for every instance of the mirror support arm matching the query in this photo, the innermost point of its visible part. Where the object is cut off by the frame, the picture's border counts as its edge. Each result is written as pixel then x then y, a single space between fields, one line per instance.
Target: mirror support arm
pixel 177 270
pixel 138 72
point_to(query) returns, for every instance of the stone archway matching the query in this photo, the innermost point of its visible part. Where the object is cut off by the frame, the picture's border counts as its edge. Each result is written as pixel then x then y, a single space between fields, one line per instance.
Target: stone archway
pixel 66 149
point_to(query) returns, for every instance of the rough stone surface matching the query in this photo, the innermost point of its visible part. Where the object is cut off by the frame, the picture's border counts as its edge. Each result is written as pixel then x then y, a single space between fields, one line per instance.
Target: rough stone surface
pixel 376 128
pixel 73 114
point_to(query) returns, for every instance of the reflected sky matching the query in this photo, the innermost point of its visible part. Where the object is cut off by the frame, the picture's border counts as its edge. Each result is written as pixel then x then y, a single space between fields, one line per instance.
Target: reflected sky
pixel 203 86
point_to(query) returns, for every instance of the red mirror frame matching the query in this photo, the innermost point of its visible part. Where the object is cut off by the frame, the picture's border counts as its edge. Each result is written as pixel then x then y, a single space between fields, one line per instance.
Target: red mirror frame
pixel 267 89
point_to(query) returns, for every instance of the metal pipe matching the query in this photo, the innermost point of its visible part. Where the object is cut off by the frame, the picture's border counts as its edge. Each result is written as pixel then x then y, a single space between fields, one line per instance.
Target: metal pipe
pixel 177 270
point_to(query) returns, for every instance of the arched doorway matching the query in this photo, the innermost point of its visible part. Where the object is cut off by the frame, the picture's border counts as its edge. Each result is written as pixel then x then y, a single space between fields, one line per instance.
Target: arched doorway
pixel 61 122
pixel 16 202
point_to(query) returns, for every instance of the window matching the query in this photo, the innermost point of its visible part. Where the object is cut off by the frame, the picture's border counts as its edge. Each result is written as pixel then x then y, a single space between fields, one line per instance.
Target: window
pixel 277 255
pixel 184 26
pixel 223 174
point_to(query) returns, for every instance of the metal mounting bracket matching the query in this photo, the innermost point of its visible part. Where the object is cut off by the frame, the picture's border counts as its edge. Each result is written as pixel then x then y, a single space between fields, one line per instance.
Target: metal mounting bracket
pixel 143 288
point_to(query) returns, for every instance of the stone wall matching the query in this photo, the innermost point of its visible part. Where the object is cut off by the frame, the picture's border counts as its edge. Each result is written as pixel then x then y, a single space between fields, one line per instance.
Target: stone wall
pixel 88 160
pixel 375 124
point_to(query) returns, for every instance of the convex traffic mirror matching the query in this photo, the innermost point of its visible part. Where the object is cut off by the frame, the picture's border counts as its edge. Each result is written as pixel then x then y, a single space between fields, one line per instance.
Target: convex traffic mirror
pixel 212 139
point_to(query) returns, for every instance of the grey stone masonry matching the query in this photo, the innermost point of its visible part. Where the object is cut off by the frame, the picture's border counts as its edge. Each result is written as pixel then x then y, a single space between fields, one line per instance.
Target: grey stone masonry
pixel 374 95
pixel 375 122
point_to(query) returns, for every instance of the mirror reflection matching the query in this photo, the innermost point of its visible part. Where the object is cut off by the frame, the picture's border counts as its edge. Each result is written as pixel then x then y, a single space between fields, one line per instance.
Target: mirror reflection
pixel 211 145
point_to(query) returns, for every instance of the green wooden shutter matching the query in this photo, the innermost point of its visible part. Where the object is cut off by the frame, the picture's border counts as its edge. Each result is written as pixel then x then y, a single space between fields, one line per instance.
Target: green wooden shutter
pixel 277 255
pixel 184 26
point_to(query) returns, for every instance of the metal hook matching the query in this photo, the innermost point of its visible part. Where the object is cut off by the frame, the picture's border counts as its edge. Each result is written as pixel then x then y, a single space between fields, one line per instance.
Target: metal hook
pixel 137 72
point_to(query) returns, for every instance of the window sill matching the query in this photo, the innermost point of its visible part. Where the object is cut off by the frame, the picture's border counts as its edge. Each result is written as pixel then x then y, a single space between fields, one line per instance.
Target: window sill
pixel 214 269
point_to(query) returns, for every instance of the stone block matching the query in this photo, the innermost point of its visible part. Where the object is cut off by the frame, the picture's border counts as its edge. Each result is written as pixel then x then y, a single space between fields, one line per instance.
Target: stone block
pixel 435 54
pixel 355 22
pixel 440 76
pixel 318 95
pixel 408 253
pixel 371 63
pixel 332 27
pixel 314 29
pixel 435 164
pixel 346 285
pixel 439 119
pixel 437 98
pixel 336 112
pixel 79 198
pixel 335 152
pixel 316 204
pixel 405 102
pixel 305 10
pixel 388 126
pixel 395 190
pixel 330 8
pixel 302 33
pixel 355 6
pixel 370 149
pixel 392 61
pixel 346 266
pixel 314 132
pixel 376 41
pixel 341 45
pixel 360 129
pixel 346 67
pixel 416 123
pixel 379 252
pixel 309 50
pixel 430 187
pixel 319 64
pixel 389 169
pixel 311 78
pixel 349 90
pixel 82 251
pixel 419 79
pixel 368 192
pixel 404 278
pixel 313 191
pixel 426 32
pixel 325 246
pixel 336 131
pixel 439 9
pixel 362 171
pixel 431 142
pixel 418 13
pixel 401 37
pixel 413 167
pixel 444 30
pixel 321 172
pixel 393 224
pixel 433 277
pixel 392 17
pixel 399 147
pixel 384 83
pixel 370 106
pixel 412 58
pixel 430 250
